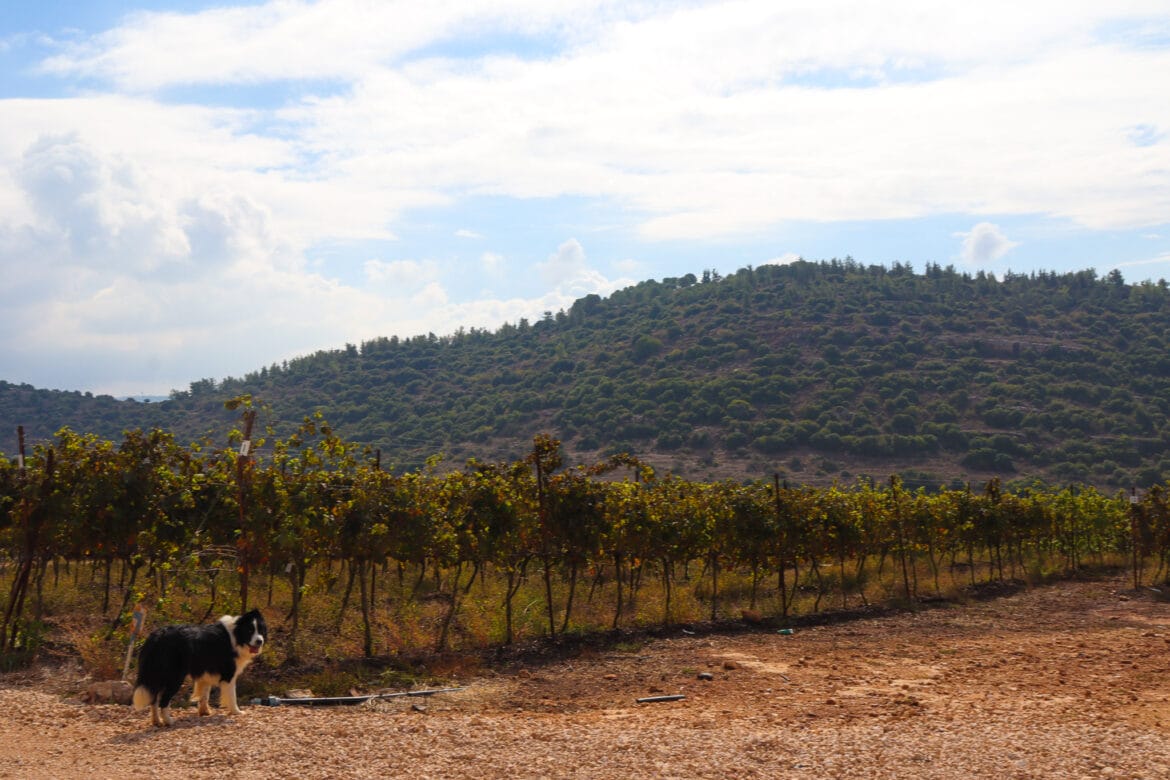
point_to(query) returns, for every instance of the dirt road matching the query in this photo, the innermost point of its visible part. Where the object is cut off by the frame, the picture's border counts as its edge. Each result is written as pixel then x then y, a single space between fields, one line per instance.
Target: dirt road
pixel 1063 681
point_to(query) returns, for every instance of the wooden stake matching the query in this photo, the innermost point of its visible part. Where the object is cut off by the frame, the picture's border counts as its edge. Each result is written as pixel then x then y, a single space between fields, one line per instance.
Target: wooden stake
pixel 241 461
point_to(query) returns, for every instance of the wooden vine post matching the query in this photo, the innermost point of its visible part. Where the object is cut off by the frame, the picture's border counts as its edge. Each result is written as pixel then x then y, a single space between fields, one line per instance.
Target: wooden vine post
pixel 33 513
pixel 544 533
pixel 895 483
pixel 241 475
pixel 1135 537
pixel 782 528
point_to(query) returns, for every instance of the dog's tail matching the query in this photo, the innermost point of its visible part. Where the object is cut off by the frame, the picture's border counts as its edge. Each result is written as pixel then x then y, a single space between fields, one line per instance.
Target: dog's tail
pixel 143 697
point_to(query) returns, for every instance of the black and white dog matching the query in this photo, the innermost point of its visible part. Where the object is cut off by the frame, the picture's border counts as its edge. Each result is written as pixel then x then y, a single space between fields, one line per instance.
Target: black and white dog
pixel 210 655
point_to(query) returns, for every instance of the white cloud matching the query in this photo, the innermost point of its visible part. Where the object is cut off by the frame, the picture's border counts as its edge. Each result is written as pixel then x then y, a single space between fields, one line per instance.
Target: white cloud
pixel 139 225
pixel 984 244
pixel 567 276
pixel 1162 259
pixel 492 263
pixel 630 268
pixel 1150 268
pixel 400 273
pixel 295 39
pixel 565 265
pixel 100 210
pixel 785 259
pixel 702 152
pixel 947 107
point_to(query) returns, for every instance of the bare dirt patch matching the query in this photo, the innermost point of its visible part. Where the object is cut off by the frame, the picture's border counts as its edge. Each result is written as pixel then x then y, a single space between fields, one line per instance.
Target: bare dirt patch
pixel 1063 681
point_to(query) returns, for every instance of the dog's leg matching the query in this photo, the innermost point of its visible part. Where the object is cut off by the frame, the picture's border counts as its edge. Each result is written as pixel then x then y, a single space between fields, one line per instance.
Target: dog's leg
pixel 202 692
pixel 164 701
pixel 227 697
pixel 159 713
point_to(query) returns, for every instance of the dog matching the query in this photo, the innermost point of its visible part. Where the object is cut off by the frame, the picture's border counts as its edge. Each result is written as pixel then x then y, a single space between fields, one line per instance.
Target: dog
pixel 210 654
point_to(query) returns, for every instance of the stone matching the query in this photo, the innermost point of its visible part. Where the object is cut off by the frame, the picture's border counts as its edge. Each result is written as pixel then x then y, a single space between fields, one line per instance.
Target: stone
pixel 109 692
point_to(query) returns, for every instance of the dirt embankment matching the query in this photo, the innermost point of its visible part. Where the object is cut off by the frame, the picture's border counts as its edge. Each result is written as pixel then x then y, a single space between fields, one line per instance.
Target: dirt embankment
pixel 1064 681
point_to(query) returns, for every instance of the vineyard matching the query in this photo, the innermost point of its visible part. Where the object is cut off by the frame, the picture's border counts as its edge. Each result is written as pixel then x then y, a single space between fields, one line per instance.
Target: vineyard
pixel 361 561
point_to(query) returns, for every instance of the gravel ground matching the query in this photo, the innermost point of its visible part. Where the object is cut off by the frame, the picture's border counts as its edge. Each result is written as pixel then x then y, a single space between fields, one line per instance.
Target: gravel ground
pixel 1063 681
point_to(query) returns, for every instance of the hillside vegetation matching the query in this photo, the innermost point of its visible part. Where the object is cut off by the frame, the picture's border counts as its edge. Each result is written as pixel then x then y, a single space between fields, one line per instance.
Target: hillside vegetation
pixel 819 371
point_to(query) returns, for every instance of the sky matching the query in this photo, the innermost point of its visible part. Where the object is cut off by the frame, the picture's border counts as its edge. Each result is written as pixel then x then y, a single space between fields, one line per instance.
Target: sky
pixel 196 190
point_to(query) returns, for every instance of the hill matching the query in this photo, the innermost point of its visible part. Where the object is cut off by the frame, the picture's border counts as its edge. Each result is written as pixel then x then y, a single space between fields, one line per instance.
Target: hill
pixel 819 371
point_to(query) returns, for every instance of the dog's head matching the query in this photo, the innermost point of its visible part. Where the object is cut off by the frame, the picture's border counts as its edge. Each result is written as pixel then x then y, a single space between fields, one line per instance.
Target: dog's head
pixel 250 631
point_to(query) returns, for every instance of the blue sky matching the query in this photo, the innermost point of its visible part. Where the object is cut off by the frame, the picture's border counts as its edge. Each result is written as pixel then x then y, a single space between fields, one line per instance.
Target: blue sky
pixel 193 190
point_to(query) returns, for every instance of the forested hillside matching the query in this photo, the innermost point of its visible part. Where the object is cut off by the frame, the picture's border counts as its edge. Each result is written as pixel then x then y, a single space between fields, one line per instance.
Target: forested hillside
pixel 818 371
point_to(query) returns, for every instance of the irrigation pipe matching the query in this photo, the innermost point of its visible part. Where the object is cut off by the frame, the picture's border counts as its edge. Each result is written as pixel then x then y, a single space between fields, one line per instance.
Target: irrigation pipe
pixel 334 701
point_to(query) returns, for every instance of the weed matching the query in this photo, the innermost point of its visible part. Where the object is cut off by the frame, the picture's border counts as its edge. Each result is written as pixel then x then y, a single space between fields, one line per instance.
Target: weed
pixel 397 678
pixel 330 682
pixel 405 627
pixel 28 642
pixel 101 658
pixel 628 647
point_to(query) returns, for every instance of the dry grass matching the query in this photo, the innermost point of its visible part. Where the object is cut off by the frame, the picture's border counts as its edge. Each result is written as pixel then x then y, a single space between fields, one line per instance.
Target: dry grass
pixel 407 615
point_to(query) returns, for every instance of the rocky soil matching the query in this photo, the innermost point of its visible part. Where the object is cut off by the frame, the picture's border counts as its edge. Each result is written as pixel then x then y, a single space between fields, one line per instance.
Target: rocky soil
pixel 1062 681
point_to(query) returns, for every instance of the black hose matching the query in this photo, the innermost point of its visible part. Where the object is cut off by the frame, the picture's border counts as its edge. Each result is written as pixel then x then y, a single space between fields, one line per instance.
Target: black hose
pixel 335 701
